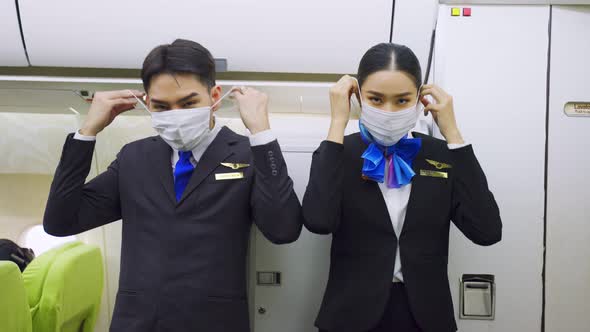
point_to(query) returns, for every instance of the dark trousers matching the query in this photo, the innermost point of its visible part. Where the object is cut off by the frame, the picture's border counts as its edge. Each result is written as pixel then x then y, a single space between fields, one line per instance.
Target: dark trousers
pixel 397 316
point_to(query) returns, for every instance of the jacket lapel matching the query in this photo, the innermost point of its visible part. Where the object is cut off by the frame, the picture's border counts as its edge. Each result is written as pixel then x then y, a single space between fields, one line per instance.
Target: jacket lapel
pixel 161 162
pixel 371 195
pixel 218 151
pixel 418 184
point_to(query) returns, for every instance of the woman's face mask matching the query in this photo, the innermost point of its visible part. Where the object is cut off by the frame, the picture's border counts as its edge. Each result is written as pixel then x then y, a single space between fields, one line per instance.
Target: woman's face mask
pixel 388 126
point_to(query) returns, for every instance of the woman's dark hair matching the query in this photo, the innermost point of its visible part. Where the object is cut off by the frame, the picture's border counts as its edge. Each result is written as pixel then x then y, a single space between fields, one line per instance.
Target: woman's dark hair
pixel 181 57
pixel 10 251
pixel 389 56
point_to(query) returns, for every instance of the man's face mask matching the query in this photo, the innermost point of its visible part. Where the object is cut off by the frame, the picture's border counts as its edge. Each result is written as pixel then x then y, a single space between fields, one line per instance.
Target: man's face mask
pixel 183 129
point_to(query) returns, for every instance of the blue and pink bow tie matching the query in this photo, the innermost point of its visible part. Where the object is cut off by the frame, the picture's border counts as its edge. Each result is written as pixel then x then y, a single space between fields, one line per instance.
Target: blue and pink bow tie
pixel 401 156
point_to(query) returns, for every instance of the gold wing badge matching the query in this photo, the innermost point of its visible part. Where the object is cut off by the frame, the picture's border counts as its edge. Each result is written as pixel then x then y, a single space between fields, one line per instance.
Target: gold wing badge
pixel 438 164
pixel 235 165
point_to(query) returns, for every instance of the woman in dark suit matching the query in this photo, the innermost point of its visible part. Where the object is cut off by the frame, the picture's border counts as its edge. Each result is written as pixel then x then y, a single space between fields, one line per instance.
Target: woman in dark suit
pixel 388 195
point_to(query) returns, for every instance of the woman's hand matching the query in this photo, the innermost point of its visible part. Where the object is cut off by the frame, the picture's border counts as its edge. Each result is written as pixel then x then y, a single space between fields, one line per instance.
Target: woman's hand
pixel 340 94
pixel 442 111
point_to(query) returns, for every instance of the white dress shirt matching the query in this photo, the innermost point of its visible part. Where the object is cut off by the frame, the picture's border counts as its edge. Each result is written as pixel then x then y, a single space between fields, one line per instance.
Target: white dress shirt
pixel 396 200
pixel 261 138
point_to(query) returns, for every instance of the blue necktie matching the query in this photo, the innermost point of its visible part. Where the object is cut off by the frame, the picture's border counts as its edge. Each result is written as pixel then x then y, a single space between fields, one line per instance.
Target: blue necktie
pixel 401 156
pixel 182 172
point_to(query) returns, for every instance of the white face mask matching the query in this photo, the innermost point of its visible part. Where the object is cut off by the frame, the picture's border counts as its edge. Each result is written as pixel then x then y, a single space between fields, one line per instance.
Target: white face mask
pixel 183 129
pixel 387 128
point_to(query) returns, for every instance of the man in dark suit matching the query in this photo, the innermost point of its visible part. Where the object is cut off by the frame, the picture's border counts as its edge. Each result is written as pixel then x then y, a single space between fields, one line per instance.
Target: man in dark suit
pixel 187 197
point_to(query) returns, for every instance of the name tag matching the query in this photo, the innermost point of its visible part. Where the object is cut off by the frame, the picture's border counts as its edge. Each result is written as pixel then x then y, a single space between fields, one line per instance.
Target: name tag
pixel 229 176
pixel 434 174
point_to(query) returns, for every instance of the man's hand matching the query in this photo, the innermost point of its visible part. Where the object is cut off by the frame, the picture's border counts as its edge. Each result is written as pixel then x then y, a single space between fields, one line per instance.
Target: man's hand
pixel 253 107
pixel 106 105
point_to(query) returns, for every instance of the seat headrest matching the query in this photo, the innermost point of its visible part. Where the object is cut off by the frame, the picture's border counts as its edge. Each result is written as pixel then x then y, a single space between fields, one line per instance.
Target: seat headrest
pixel 36 272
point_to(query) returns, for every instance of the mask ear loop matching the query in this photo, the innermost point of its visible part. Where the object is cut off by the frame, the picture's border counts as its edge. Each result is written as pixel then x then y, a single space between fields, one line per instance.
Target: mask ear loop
pixel 150 113
pixel 141 103
pixel 212 116
pixel 362 128
pixel 360 95
pixel 222 98
pixel 419 94
pixel 360 98
pixel 419 101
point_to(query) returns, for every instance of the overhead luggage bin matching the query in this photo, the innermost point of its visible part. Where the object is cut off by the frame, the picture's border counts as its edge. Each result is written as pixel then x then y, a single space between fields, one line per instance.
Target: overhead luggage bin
pixel 305 36
pixel 12 52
